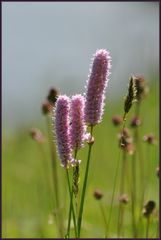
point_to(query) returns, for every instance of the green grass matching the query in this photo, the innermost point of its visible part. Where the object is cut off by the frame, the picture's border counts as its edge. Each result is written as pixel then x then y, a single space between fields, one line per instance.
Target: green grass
pixel 26 198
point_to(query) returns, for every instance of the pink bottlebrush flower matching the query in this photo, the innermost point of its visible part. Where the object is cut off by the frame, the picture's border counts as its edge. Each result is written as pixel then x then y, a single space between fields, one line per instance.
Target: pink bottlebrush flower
pixel 78 127
pixel 96 86
pixel 62 130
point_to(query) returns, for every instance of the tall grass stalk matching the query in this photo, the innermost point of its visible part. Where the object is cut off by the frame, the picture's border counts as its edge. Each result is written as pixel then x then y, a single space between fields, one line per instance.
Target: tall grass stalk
pixel 141 164
pixel 147 226
pixel 104 217
pixel 122 189
pixel 133 194
pixel 84 186
pixel 55 175
pixel 138 152
pixel 53 160
pixel 46 175
pixel 115 180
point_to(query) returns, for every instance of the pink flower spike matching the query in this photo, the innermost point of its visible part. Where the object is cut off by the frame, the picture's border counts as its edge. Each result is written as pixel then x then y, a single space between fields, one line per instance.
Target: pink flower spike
pixel 78 127
pixel 62 130
pixel 96 86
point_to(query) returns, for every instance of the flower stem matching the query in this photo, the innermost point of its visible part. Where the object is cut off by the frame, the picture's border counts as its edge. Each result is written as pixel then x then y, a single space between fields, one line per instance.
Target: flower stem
pixel 141 167
pixel 115 179
pixel 84 187
pixel 122 186
pixel 55 175
pixel 147 227
pixel 104 216
pixel 71 205
pixel 133 193
pixel 54 163
pixel 71 209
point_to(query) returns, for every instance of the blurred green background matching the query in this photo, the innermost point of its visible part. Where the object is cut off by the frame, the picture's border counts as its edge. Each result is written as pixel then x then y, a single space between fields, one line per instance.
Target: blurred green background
pixel 26 198
pixel 50 44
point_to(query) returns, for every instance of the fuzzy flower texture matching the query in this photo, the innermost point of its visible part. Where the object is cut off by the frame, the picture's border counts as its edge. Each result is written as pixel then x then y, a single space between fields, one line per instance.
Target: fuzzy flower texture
pixel 62 131
pixel 71 116
pixel 96 86
pixel 78 127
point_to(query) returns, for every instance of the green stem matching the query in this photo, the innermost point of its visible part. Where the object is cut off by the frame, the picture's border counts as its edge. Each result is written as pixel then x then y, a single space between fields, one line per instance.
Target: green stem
pixel 46 175
pixel 84 187
pixel 104 216
pixel 71 209
pixel 115 178
pixel 141 167
pixel 133 193
pixel 158 229
pixel 147 226
pixel 71 204
pixel 122 186
pixel 55 176
pixel 133 173
pixel 54 163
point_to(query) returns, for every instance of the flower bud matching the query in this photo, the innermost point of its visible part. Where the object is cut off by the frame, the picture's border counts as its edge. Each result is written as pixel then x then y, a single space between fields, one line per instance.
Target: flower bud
pixel 98 194
pixel 117 120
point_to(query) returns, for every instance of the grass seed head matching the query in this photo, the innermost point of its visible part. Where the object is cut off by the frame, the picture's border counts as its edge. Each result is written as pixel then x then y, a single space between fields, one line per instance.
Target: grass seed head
pixel 131 95
pixel 141 87
pixel 148 208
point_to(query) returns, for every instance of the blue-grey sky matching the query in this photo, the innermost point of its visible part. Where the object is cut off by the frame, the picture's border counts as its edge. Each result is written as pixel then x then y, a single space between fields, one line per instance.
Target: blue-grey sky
pixel 51 43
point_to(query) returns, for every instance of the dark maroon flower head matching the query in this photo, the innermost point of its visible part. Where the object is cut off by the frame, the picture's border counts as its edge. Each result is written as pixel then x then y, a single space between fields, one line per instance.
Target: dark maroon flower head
pixel 150 139
pixel 148 208
pixel 52 96
pixel 117 120
pixel 135 122
pixel 98 194
pixel 37 135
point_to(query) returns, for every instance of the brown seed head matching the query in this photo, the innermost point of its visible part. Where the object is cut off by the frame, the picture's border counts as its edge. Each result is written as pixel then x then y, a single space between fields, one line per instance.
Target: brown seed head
pixel 124 138
pixel 130 148
pixel 52 96
pixel 140 87
pixel 117 120
pixel 37 135
pixel 135 122
pixel 124 198
pixel 98 194
pixel 148 208
pixel 150 139
pixel 46 107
